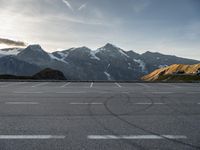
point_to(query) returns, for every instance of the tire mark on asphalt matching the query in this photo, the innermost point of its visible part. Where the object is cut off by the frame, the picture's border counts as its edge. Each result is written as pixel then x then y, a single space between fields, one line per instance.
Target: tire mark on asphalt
pixel 135 145
pixel 145 130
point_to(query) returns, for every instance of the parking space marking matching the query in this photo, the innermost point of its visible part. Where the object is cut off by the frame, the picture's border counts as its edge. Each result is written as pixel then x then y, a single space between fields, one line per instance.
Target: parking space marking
pixel 143 103
pixel 149 103
pixel 144 85
pixel 135 137
pixel 13 84
pixel 158 103
pixel 125 92
pixel 71 92
pixel 175 86
pixel 65 84
pixel 30 137
pixel 39 84
pixel 28 92
pixel 162 92
pixel 192 92
pixel 118 84
pixel 21 103
pixel 91 85
pixel 86 103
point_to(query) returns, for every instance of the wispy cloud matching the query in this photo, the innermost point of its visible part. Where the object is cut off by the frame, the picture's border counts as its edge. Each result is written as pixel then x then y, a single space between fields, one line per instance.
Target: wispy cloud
pixel 68 5
pixel 141 5
pixel 82 6
pixel 11 42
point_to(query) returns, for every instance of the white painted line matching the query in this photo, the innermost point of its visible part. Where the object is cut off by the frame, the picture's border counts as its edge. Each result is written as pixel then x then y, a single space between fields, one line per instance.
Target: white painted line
pixel 39 84
pixel 125 92
pixel 158 103
pixel 30 137
pixel 12 84
pixel 135 137
pixel 19 83
pixel 65 84
pixel 21 103
pixel 4 86
pixel 198 103
pixel 70 92
pixel 143 84
pixel 91 85
pixel 175 86
pixel 28 92
pixel 86 103
pixel 193 92
pixel 162 92
pixel 143 103
pixel 169 85
pixel 102 92
pixel 118 84
pixel 149 103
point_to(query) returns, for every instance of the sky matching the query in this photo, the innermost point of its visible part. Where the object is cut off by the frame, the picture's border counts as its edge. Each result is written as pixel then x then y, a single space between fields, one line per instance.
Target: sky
pixel 165 26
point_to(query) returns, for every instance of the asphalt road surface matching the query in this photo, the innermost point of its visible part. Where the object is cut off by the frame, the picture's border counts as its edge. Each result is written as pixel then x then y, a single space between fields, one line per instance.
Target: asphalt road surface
pixel 99 116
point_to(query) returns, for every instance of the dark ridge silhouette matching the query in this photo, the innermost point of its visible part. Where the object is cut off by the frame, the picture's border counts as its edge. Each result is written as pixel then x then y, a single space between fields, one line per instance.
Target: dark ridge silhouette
pixel 49 74
pixel 46 74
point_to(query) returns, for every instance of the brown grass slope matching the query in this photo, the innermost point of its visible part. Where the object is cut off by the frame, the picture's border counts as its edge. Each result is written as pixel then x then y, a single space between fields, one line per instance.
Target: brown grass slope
pixel 176 71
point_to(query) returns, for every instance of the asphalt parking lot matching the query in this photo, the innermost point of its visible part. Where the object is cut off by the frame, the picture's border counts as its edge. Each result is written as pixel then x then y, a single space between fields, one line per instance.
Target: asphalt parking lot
pixel 99 116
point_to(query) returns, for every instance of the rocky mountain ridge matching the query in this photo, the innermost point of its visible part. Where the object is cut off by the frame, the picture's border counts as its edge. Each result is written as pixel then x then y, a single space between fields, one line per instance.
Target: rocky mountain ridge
pixel 106 63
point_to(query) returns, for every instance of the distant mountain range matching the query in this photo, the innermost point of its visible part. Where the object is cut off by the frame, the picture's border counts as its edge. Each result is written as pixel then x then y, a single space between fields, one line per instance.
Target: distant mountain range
pixel 106 63
pixel 176 72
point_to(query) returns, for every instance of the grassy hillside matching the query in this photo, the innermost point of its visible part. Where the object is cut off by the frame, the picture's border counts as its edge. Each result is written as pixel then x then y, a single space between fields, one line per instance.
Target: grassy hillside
pixel 176 72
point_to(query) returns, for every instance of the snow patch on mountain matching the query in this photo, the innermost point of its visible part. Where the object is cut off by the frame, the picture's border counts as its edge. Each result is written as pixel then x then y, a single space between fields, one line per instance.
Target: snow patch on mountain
pixel 108 66
pixel 63 55
pixel 108 75
pixel 123 53
pixel 93 56
pixel 56 58
pixel 5 52
pixel 141 64
pixel 99 50
pixel 129 66
pixel 120 50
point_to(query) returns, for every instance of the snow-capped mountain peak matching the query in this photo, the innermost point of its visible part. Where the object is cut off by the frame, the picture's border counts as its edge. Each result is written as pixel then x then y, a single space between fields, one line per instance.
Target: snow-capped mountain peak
pixel 108 47
pixel 35 47
pixel 111 50
pixel 76 53
pixel 34 54
pixel 106 63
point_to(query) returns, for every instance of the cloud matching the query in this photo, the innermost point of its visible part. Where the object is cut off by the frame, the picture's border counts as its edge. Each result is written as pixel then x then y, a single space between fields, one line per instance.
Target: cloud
pixel 141 5
pixel 68 4
pixel 82 6
pixel 11 42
